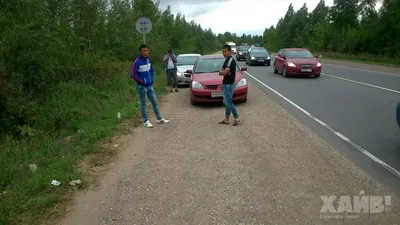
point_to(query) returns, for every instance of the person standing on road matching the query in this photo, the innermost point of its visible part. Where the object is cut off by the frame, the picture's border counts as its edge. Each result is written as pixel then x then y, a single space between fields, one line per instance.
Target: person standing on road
pixel 228 71
pixel 170 68
pixel 142 72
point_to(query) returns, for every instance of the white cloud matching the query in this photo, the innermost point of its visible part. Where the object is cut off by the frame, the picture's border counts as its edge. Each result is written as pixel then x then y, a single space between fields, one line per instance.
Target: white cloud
pixel 250 16
pixel 240 16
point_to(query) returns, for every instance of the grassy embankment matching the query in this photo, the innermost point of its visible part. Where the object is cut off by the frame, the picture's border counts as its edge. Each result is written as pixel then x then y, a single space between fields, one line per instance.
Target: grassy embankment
pixel 26 196
pixel 362 58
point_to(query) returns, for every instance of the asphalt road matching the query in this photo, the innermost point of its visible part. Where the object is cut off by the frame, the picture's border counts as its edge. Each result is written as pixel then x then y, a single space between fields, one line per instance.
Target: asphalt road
pixel 358 104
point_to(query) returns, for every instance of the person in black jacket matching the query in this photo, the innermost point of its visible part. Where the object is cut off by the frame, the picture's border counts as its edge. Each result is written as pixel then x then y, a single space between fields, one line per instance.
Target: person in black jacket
pixel 228 71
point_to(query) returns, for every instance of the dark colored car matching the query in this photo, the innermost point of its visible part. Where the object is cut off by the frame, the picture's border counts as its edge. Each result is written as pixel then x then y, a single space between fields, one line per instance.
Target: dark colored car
pixel 296 62
pixel 242 52
pixel 257 55
pixel 398 114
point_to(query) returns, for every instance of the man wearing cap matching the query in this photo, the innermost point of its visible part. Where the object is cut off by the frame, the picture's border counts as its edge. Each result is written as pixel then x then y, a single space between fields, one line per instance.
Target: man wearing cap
pixel 170 68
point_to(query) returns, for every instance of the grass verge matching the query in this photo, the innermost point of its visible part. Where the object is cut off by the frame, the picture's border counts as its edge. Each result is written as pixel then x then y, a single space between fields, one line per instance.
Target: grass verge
pixel 362 58
pixel 87 115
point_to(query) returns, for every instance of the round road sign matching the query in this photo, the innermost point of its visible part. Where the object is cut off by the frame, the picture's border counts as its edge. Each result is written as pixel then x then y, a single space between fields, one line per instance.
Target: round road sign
pixel 144 25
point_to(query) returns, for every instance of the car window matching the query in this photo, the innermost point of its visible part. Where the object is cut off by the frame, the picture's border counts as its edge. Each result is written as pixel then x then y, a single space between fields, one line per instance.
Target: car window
pixel 280 52
pixel 244 48
pixel 211 65
pixel 186 60
pixel 299 54
pixel 259 50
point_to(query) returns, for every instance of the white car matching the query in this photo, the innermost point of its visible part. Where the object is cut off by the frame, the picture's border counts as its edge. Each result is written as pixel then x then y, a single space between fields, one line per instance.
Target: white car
pixel 233 48
pixel 185 62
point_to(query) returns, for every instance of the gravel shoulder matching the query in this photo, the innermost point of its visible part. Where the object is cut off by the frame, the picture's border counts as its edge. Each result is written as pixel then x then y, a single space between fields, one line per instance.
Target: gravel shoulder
pixel 271 169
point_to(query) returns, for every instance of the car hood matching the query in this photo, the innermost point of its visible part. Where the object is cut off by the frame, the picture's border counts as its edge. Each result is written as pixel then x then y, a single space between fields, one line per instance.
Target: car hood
pixel 213 78
pixel 183 68
pixel 302 60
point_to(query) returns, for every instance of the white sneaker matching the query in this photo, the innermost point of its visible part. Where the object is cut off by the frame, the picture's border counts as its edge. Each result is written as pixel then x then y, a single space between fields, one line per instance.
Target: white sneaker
pixel 163 121
pixel 147 124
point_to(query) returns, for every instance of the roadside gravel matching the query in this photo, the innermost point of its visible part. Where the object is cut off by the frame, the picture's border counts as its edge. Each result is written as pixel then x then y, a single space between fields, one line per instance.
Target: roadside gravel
pixel 271 169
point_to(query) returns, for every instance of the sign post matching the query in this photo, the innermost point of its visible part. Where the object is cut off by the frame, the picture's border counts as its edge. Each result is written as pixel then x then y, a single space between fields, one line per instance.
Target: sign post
pixel 144 26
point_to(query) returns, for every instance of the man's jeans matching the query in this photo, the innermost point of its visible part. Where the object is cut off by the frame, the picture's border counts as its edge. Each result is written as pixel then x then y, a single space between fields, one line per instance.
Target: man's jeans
pixel 144 93
pixel 228 90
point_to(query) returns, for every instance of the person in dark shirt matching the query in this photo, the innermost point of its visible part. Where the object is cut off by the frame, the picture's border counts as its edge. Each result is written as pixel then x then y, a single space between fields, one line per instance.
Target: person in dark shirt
pixel 228 71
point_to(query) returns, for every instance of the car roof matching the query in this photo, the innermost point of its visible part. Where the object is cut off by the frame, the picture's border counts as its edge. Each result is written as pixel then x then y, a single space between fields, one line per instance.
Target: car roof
pixel 190 54
pixel 295 49
pixel 213 56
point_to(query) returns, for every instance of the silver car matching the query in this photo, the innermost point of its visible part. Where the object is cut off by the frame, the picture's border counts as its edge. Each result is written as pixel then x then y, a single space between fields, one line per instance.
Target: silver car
pixel 185 62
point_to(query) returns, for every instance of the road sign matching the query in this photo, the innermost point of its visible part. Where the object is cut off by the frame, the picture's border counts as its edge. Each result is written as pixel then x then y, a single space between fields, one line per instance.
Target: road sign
pixel 144 26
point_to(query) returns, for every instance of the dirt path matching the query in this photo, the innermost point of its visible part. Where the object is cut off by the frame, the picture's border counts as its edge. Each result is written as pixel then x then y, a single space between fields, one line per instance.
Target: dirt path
pixel 269 170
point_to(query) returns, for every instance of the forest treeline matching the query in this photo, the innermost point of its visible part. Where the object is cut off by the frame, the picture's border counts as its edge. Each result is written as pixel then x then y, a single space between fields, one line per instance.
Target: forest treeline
pixel 352 27
pixel 46 43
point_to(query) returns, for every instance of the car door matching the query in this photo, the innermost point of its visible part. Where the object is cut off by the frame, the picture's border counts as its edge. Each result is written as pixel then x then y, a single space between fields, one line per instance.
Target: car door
pixel 283 59
pixel 278 60
pixel 248 55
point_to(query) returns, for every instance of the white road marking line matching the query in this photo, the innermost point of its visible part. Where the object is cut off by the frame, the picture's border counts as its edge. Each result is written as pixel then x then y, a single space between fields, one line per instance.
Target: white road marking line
pixel 362 83
pixel 352 68
pixel 341 136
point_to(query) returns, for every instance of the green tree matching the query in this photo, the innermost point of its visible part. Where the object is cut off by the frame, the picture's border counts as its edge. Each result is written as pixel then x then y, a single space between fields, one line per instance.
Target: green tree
pixel 349 26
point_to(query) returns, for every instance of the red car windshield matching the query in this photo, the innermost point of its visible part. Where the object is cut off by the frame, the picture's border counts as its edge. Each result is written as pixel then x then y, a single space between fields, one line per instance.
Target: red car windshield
pixel 299 54
pixel 211 65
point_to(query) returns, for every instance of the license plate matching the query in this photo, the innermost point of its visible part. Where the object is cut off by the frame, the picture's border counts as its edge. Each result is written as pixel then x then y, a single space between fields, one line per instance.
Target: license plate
pixel 261 60
pixel 216 94
pixel 306 70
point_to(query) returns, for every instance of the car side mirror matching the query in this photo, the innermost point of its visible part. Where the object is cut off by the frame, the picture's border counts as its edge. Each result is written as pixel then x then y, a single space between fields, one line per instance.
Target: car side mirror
pixel 189 71
pixel 283 57
pixel 243 68
pixel 316 56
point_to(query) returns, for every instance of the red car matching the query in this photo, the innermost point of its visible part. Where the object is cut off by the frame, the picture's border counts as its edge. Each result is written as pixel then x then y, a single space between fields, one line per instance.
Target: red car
pixel 296 62
pixel 206 82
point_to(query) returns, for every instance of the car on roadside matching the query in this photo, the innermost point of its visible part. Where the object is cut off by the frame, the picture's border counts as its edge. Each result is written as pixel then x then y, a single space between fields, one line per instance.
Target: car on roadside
pixel 398 114
pixel 258 56
pixel 185 62
pixel 206 83
pixel 242 52
pixel 296 62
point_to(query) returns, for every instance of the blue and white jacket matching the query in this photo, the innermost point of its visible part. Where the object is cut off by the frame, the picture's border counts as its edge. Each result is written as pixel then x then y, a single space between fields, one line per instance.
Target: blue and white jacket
pixel 142 71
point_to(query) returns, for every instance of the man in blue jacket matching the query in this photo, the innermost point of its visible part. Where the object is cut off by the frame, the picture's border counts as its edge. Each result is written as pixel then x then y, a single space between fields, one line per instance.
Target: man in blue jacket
pixel 142 72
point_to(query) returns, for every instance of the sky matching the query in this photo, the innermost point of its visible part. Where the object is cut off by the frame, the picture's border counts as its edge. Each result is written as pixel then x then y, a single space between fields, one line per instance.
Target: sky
pixel 247 16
